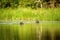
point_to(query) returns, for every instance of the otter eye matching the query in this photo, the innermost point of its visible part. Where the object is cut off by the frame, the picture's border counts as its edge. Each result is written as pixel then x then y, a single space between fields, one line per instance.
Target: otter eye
pixel 57 35
pixel 46 36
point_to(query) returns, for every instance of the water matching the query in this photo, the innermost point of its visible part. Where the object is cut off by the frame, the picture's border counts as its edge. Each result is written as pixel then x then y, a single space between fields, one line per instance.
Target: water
pixel 30 30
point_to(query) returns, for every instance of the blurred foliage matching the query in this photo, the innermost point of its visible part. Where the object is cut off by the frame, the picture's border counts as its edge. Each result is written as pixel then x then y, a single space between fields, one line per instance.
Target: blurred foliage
pixel 29 3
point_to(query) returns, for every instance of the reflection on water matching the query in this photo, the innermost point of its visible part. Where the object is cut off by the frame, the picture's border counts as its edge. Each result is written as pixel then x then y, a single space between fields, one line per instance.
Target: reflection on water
pixel 57 35
pixel 41 31
pixel 46 35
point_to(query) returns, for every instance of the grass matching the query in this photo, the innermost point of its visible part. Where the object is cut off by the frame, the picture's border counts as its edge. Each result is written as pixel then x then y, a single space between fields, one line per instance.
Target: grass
pixel 30 14
pixel 27 31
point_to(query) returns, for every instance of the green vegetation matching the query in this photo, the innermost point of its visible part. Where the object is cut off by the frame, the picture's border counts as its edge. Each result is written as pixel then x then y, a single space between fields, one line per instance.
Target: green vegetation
pixel 30 3
pixel 27 31
pixel 50 14
pixel 28 10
